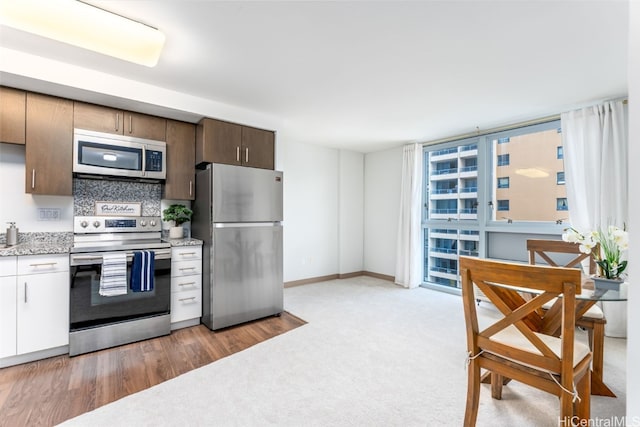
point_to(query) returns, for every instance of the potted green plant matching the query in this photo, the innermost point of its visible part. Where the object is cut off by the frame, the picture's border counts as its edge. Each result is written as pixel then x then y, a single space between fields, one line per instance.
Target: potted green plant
pixel 178 214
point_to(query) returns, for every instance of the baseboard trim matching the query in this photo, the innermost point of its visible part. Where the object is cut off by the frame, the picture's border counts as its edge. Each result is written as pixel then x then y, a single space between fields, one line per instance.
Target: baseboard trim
pixel 310 280
pixel 350 275
pixel 379 276
pixel 337 276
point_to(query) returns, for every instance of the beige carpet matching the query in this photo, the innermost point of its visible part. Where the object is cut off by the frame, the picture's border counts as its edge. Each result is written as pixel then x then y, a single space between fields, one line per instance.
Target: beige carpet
pixel 372 354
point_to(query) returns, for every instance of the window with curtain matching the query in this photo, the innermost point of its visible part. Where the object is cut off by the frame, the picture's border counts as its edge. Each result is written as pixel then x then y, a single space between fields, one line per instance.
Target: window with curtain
pixel 507 181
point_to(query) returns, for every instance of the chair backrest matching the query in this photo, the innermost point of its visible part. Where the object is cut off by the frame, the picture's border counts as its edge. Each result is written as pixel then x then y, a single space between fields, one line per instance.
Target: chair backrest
pixel 502 282
pixel 545 248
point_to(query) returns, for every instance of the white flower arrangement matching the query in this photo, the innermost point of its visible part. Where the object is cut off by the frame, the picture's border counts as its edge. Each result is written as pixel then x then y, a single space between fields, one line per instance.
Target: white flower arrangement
pixel 613 244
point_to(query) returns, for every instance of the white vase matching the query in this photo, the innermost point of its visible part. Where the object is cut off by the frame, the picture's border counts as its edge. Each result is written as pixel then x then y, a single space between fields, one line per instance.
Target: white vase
pixel 176 232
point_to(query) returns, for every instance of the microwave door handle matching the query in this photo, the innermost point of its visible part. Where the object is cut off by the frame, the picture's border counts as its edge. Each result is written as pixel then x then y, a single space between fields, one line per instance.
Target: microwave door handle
pixel 144 160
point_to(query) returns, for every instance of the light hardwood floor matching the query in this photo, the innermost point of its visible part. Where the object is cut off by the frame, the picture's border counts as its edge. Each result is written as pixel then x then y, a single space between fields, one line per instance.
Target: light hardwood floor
pixel 50 391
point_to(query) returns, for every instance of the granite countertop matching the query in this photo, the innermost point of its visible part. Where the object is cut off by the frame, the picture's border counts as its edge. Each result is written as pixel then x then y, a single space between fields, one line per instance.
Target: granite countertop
pixel 39 244
pixel 186 241
pixel 61 243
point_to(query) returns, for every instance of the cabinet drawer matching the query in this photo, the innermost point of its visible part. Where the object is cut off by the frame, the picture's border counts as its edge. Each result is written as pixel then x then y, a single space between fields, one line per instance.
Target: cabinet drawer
pixel 186 268
pixel 186 253
pixel 186 305
pixel 8 266
pixel 186 283
pixel 35 264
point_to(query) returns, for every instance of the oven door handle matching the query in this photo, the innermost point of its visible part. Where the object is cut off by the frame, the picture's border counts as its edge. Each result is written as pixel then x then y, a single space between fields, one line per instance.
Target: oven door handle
pixel 160 254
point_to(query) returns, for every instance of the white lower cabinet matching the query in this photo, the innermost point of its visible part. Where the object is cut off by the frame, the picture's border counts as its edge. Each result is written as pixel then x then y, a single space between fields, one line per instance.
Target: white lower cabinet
pixel 186 286
pixel 35 305
pixel 8 271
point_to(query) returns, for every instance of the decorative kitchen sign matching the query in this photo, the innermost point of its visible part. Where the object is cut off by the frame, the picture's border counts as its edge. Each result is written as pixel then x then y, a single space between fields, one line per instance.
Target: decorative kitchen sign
pixel 118 208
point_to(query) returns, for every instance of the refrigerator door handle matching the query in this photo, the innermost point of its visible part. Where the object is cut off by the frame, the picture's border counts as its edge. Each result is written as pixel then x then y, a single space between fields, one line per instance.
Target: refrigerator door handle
pixel 246 224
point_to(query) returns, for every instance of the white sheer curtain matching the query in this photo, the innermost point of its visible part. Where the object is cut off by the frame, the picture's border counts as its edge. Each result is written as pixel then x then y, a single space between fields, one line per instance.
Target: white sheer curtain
pixel 595 162
pixel 409 247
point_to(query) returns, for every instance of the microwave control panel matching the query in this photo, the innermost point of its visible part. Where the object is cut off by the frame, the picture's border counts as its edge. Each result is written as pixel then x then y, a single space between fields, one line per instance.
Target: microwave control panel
pixel 153 162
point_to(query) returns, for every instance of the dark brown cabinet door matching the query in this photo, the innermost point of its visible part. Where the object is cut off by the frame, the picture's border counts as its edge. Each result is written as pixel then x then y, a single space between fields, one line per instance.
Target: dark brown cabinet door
pixel 181 154
pixel 98 118
pixel 144 126
pixel 49 142
pixel 12 115
pixel 110 120
pixel 218 142
pixel 258 148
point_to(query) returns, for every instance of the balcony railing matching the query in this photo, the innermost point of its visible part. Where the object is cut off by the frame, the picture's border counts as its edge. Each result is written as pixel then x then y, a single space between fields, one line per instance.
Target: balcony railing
pixel 444 231
pixel 469 147
pixel 468 252
pixel 469 211
pixel 444 270
pixel 444 151
pixel 470 232
pixel 445 191
pixel 469 190
pixel 444 171
pixel 445 250
pixel 469 168
pixel 444 211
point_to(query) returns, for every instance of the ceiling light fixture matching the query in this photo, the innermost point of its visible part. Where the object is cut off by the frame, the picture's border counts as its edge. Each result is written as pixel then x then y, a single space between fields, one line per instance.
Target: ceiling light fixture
pixel 85 26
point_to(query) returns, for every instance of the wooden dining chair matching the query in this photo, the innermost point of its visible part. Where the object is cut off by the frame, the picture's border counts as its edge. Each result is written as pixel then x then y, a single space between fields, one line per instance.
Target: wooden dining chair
pixel 551 252
pixel 511 347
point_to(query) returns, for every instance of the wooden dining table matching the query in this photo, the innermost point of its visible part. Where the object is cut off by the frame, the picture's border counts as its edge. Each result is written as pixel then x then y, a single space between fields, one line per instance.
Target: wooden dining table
pixel 550 323
pixel 552 319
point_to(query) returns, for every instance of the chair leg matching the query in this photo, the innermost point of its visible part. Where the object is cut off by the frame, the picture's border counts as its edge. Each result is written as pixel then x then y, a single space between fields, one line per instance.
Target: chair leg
pixel 496 386
pixel 583 407
pixel 473 394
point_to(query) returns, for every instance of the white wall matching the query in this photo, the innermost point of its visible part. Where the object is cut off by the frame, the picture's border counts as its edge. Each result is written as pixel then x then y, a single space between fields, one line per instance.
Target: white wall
pixel 382 180
pixel 633 319
pixel 311 176
pixel 22 208
pixel 351 212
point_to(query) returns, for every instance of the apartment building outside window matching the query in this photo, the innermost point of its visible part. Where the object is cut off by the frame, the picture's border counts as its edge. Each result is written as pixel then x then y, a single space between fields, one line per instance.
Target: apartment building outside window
pixel 487 184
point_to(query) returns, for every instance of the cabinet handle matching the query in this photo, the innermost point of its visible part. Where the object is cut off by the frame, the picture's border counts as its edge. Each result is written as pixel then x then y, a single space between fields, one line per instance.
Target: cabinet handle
pixel 187 254
pixel 117 121
pixel 25 292
pixel 187 284
pixel 237 154
pixel 187 299
pixel 190 188
pixel 187 268
pixel 33 179
pixel 130 123
pixel 246 155
pixel 42 263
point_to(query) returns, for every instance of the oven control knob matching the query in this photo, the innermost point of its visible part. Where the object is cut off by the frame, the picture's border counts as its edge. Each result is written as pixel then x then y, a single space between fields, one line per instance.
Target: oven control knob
pixel 152 223
pixel 84 224
pixel 96 224
pixel 143 223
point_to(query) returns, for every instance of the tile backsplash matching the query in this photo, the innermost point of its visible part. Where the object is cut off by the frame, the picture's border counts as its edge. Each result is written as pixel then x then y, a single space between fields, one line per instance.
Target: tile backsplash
pixel 86 192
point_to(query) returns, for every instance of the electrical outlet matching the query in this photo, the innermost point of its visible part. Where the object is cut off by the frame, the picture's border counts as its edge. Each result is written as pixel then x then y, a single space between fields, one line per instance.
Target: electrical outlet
pixel 49 214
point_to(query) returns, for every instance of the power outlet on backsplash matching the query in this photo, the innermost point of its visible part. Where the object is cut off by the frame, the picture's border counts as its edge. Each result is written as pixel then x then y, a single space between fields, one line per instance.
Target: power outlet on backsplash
pixel 49 214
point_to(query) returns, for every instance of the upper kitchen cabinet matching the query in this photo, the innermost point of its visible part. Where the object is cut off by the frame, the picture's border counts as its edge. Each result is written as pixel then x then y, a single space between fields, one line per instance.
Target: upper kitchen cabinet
pixel 12 115
pixel 111 120
pixel 232 144
pixel 49 145
pixel 181 155
pixel 258 148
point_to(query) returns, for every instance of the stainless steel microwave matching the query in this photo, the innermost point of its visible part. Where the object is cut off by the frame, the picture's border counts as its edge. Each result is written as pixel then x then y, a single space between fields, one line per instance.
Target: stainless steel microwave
pixel 98 153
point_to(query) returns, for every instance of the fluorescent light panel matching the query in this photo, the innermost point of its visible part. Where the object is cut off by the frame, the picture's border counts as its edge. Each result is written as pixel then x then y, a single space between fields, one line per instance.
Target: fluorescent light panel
pixel 85 26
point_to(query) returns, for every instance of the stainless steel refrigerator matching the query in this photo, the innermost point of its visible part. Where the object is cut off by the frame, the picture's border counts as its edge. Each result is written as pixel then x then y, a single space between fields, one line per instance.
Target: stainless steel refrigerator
pixel 238 215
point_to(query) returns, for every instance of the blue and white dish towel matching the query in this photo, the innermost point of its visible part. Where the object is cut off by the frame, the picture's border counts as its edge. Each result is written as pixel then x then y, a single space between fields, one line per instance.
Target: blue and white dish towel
pixel 113 279
pixel 142 271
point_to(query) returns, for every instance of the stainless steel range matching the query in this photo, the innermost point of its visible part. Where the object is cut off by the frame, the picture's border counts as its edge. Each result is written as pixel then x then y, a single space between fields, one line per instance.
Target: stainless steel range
pixel 99 317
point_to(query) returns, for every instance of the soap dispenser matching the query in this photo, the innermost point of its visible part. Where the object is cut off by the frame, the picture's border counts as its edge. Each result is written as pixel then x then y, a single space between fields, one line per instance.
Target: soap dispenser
pixel 12 234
